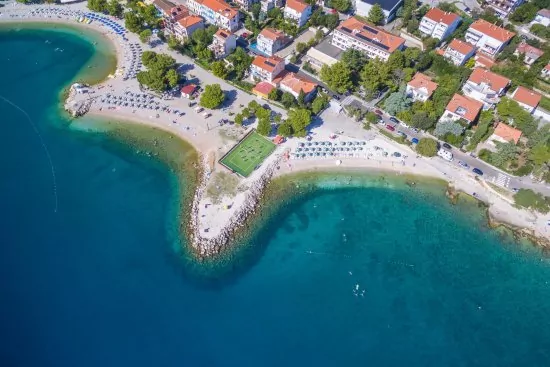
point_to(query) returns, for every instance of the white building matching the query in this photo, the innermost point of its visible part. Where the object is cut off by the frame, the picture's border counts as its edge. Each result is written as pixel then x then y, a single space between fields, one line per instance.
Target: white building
pixel 389 7
pixel 246 4
pixel 461 107
pixel 270 41
pixel 223 43
pixel 184 27
pixel 297 12
pixel 266 68
pixel 543 17
pixel 458 52
pixel 293 84
pixel 545 72
pixel 489 38
pixel 216 12
pixel 421 87
pixel 526 98
pixel 503 7
pixel 267 5
pixel 531 54
pixel 371 40
pixel 439 24
pixel 485 86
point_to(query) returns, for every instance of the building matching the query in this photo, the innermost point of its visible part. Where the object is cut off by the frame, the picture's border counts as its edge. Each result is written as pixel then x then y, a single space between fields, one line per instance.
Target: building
pixel 293 84
pixel 439 24
pixel 531 53
pixel 503 7
pixel 526 98
pixel 389 7
pixel 545 72
pixel 223 43
pixel 323 54
pixel 185 26
pixel 262 89
pixel 489 38
pixel 267 5
pixel 266 68
pixel 170 13
pixel 485 86
pixel 188 91
pixel 245 4
pixel 458 52
pixel 543 17
pixel 505 134
pixel 270 41
pixel 461 107
pixel 371 40
pixel 216 12
pixel 421 87
pixel 297 11
pixel 483 61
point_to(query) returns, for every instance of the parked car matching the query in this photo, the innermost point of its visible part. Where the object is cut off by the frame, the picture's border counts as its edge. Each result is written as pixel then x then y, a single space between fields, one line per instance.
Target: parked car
pixel 402 134
pixel 515 189
pixel 477 171
pixel 463 164
pixel 390 128
pixel 393 119
pixel 414 140
pixel 378 112
pixel 447 146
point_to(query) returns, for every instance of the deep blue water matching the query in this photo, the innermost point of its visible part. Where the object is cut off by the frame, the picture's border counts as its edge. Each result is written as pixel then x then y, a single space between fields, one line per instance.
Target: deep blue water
pixel 98 283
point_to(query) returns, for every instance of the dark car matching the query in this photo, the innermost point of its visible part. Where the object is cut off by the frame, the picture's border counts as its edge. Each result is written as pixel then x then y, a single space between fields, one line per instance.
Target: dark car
pixel 378 112
pixel 447 146
pixel 393 119
pixel 390 128
pixel 477 171
pixel 402 134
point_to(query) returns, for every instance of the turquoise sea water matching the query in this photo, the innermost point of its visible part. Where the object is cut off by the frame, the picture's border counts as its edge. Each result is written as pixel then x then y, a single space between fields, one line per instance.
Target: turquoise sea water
pixel 344 276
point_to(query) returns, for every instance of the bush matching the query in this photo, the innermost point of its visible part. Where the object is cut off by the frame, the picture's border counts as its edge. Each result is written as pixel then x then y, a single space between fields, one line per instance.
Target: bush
pixel 524 170
pixel 526 198
pixel 427 147
pixel 212 97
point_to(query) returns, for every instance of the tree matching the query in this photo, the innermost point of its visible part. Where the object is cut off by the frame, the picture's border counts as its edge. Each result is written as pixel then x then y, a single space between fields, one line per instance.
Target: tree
pixel 371 117
pixel 413 25
pixel 430 43
pixel 511 111
pixel 427 147
pixel 524 13
pixel 299 119
pixel 480 134
pixel 150 15
pixel 241 61
pixel 374 75
pixel 540 154
pixel 115 9
pixel 341 5
pixel 300 47
pixel 145 35
pixel 353 59
pixel 376 15
pixel 212 97
pixel 255 10
pixel 133 22
pixel 173 43
pixel 160 71
pixel 397 102
pixel 504 154
pixel 527 198
pixel 274 95
pixel 172 77
pixel 264 127
pixel 422 120
pixel 337 77
pixel 275 13
pixel 444 127
pixel 218 69
pixel 301 98
pixel 319 104
pixel 98 5
pixel 288 100
pixel 148 58
pixel 285 129
pixel 239 119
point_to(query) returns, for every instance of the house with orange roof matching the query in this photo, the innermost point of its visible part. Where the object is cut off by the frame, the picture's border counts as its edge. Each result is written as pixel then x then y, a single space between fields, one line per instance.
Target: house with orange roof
pixel 171 14
pixel 294 83
pixel 526 98
pixel 421 87
pixel 438 23
pixel 216 12
pixel 462 107
pixel 488 37
pixel 545 72
pixel 266 68
pixel 372 41
pixel 186 26
pixel 297 11
pixel 262 89
pixel 505 134
pixel 270 41
pixel 458 52
pixel 223 43
pixel 531 54
pixel 483 61
pixel 485 86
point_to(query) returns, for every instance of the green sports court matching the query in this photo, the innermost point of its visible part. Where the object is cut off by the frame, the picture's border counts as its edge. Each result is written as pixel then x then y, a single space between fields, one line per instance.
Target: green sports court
pixel 250 152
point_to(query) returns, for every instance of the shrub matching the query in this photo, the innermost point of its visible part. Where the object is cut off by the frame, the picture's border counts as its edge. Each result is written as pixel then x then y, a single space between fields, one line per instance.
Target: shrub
pixel 427 147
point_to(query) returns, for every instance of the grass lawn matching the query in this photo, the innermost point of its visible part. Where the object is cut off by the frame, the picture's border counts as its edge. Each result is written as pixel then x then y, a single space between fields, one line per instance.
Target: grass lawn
pixel 248 154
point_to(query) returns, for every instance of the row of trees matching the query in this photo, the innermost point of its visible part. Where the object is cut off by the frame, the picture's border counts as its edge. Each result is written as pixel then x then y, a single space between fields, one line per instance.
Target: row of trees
pixel 112 7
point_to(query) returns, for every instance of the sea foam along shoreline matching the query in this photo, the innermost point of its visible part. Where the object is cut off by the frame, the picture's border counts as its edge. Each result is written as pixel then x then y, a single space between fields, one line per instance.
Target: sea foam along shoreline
pixel 211 245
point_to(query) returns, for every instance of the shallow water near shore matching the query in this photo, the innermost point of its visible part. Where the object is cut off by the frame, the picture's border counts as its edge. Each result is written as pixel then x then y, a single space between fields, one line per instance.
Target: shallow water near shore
pixel 376 272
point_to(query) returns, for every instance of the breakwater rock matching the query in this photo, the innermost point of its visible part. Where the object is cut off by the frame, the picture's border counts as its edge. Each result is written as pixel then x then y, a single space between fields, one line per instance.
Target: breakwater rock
pixel 78 102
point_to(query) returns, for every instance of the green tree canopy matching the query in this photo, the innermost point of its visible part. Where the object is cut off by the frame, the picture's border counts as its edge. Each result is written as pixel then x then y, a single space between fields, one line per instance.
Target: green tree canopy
pixel 341 5
pixel 540 154
pixel 427 147
pixel 337 77
pixel 285 129
pixel 145 35
pixel 288 100
pixel 353 59
pixel 212 97
pixel 264 127
pixel 524 13
pixel 529 199
pixel 397 102
pixel 299 118
pixel 422 120
pixel 100 6
pixel 318 104
pixel 241 61
pixel 218 69
pixel 115 8
pixel 376 15
pixel 133 22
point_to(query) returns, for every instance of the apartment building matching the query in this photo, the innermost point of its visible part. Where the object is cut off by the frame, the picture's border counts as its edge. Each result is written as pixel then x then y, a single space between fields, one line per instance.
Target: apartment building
pixel 526 98
pixel 389 7
pixel 297 12
pixel 184 27
pixel 170 13
pixel 216 12
pixel 485 86
pixel 267 5
pixel 531 54
pixel 503 7
pixel 266 68
pixel 270 41
pixel 439 24
pixel 489 38
pixel 371 40
pixel 458 52
pixel 461 107
pixel 223 43
pixel 245 4
pixel 294 84
pixel 421 87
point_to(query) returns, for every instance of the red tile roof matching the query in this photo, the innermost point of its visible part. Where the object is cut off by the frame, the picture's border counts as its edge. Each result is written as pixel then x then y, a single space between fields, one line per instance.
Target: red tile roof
pixel 189 21
pixel 462 47
pixel 222 33
pixel 220 7
pixel 267 63
pixel 507 132
pixel 547 67
pixel 544 12
pixel 297 83
pixel 297 5
pixel 526 96
pixel 440 16
pixel 484 61
pixel 263 88
pixel 423 81
pixel 470 107
pixel 188 89
pixel 533 52
pixel 353 26
pixel 493 31
pixel 495 81
pixel 272 34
